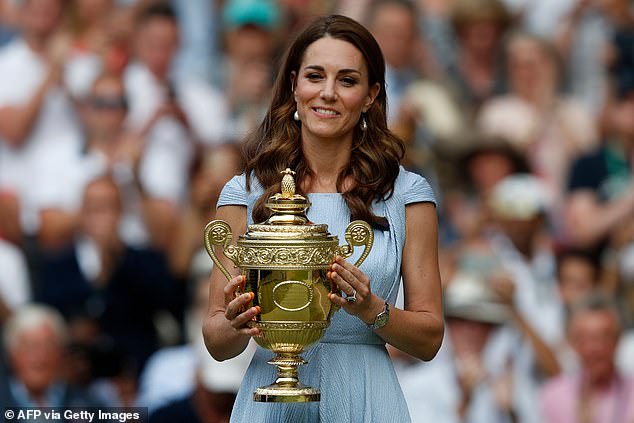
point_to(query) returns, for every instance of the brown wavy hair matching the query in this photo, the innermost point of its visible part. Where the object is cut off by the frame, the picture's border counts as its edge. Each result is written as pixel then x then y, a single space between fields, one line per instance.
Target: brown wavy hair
pixel 276 143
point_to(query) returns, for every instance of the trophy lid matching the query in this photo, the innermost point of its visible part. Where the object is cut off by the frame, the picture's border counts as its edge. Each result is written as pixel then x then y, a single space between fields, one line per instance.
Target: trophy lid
pixel 288 215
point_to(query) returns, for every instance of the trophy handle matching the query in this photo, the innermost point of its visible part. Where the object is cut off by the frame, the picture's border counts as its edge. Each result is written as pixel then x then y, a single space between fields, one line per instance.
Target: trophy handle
pixel 218 232
pixel 358 233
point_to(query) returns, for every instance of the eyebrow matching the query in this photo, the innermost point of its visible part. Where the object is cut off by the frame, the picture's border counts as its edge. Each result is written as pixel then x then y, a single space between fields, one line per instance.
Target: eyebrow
pixel 321 68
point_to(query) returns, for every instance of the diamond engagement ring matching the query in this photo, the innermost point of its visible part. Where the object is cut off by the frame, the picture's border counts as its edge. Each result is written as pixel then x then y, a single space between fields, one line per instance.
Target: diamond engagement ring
pixel 352 298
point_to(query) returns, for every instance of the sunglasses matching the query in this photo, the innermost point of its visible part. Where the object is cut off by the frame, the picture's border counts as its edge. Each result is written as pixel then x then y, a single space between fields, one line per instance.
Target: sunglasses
pixel 104 103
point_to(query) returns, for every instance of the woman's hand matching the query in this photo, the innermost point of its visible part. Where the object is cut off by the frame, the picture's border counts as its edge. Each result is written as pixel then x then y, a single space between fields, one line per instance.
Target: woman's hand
pixel 236 310
pixel 355 284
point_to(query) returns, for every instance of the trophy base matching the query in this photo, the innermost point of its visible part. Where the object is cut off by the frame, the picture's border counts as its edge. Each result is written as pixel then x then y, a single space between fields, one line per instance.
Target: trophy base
pixel 282 393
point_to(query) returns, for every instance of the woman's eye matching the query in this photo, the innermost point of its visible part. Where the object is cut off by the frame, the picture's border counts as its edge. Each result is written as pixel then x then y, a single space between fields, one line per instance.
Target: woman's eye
pixel 348 82
pixel 313 76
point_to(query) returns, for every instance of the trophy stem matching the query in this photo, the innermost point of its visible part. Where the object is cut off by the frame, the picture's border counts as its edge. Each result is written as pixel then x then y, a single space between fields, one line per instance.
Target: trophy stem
pixel 287 387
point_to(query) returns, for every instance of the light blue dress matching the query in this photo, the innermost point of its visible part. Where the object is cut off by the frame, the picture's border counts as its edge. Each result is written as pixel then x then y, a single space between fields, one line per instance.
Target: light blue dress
pixel 350 365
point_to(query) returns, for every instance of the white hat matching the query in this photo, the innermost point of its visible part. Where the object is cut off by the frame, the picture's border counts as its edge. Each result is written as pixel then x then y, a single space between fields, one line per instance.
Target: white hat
pixel 469 297
pixel 519 196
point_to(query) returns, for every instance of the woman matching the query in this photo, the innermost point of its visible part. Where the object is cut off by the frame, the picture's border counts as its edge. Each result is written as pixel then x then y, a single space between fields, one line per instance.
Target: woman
pixel 549 128
pixel 328 122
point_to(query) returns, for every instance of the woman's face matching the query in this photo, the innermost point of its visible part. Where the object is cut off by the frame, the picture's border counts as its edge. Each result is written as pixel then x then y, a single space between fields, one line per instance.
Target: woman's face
pixel 331 90
pixel 530 68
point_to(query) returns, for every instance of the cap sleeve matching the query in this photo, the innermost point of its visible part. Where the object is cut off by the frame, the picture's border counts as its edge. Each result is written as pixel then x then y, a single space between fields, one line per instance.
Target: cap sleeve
pixel 234 192
pixel 413 188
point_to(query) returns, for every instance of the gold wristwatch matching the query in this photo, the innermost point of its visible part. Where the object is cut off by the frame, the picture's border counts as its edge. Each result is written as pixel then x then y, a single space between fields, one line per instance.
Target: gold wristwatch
pixel 381 319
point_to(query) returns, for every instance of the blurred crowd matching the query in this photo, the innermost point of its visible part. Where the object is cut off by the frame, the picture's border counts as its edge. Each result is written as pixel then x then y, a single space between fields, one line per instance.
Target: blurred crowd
pixel 121 120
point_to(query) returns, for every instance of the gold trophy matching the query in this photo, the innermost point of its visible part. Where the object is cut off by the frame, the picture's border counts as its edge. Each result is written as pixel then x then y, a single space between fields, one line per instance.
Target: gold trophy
pixel 285 261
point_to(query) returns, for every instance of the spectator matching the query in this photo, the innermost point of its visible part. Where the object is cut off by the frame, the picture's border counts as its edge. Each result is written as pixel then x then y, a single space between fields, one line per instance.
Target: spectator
pixel 579 274
pixel 483 162
pixel 597 392
pixel 211 172
pixel 35 340
pixel 548 128
pixel 107 149
pixel 39 133
pixel 100 277
pixel 111 148
pixel 394 25
pixel 163 107
pixel 249 32
pixel 157 114
pixel 474 378
pixel 420 111
pixel 92 47
pixel 184 379
pixel 479 27
pixel 518 206
pixel 601 185
pixel 583 37
pixel 199 50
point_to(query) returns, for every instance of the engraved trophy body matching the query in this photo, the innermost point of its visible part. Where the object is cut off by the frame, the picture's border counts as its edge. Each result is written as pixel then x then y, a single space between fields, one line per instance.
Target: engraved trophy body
pixel 285 261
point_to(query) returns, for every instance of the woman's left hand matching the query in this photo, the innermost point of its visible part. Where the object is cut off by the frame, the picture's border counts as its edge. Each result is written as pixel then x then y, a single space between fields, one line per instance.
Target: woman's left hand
pixel 355 284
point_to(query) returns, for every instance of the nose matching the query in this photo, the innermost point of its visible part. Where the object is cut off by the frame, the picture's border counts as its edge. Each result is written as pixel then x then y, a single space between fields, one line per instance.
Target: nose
pixel 329 93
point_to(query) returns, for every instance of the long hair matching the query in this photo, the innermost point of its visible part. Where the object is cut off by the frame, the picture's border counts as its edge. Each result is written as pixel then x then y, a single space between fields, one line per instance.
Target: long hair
pixel 276 144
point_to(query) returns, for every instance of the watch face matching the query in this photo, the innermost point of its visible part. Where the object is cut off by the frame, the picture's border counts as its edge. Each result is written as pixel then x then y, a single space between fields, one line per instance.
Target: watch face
pixel 382 318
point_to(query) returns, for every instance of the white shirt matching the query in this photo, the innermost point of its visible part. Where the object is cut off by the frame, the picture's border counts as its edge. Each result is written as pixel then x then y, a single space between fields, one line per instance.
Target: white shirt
pixel 433 394
pixel 164 167
pixel 203 105
pixel 81 70
pixel 536 292
pixel 53 143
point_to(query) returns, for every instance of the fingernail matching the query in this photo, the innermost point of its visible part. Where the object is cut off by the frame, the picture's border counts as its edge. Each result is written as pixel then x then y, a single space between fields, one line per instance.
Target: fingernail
pixel 258 309
pixel 252 295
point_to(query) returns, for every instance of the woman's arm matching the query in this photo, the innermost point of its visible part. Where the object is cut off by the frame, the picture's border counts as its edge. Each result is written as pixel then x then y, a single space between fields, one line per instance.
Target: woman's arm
pixel 418 329
pixel 224 329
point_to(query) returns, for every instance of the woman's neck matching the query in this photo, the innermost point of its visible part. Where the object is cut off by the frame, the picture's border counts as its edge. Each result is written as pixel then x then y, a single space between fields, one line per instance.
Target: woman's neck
pixel 326 159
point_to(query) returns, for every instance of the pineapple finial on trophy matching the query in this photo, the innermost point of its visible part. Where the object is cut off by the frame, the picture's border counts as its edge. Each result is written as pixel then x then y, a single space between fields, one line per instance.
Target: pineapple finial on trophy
pixel 288 183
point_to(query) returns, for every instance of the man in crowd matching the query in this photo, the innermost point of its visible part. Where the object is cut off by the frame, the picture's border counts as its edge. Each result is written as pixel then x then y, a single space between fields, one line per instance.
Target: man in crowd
pixel 39 132
pixel 35 340
pixel 597 392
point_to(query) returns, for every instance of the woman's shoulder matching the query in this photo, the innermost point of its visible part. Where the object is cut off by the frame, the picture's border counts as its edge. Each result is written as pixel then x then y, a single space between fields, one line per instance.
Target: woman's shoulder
pixel 413 188
pixel 236 193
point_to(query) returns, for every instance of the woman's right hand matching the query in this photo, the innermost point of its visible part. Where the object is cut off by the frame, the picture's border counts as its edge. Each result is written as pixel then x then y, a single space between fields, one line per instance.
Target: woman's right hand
pixel 236 310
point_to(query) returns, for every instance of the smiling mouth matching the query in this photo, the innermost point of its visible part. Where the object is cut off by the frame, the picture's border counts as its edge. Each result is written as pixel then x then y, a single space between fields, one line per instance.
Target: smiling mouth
pixel 325 112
